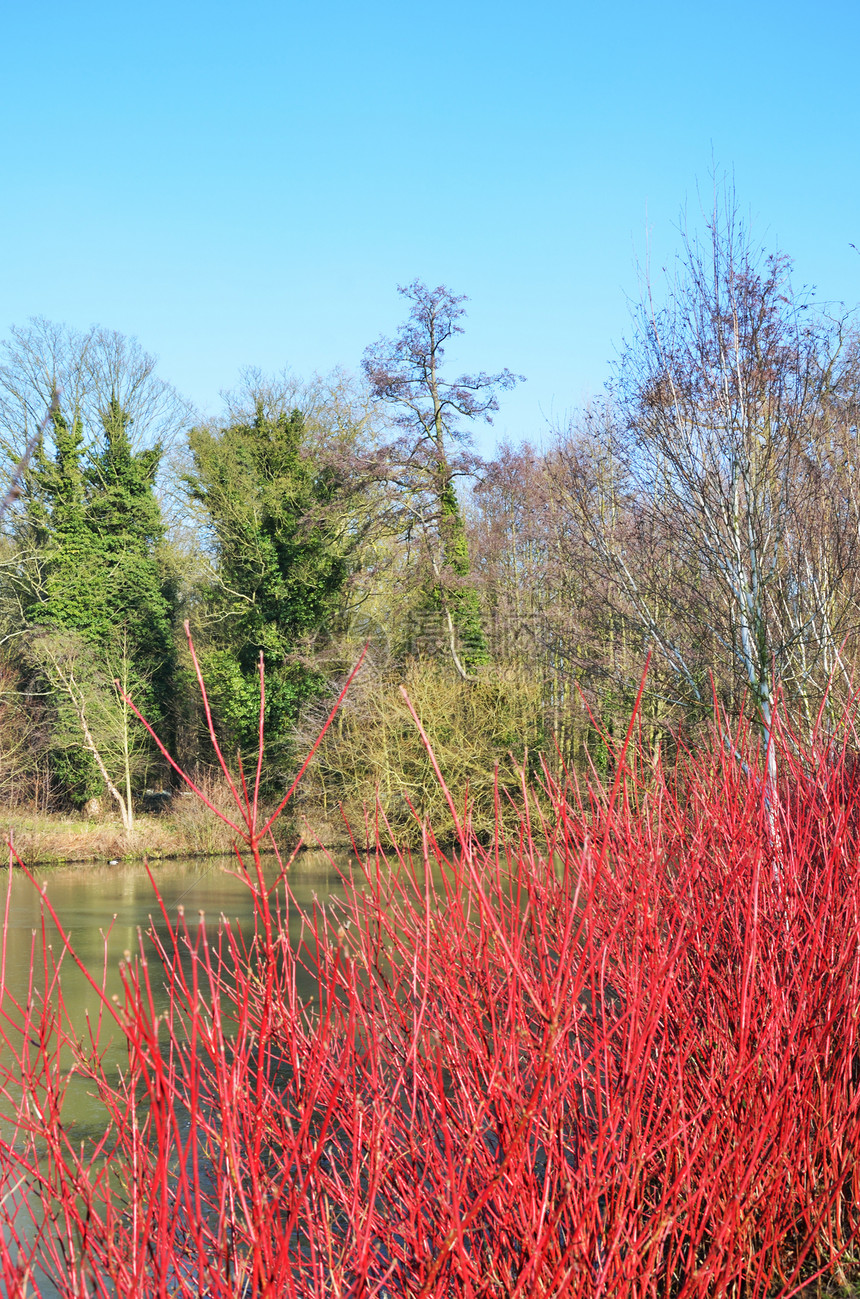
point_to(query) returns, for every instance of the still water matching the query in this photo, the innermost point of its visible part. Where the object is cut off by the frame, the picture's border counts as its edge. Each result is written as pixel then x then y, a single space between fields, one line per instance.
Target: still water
pixel 106 909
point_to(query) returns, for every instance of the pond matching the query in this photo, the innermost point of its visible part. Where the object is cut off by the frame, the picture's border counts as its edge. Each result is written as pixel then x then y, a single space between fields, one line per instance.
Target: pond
pixel 89 899
pixel 104 910
pixel 118 902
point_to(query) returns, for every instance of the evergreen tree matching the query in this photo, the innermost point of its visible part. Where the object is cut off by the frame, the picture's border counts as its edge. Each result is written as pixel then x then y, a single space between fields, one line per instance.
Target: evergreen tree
pixel 280 569
pixel 95 527
pixel 137 600
pixel 61 544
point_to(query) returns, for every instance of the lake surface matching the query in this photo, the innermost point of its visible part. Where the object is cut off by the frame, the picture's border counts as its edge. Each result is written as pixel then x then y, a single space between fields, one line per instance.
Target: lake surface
pixel 117 904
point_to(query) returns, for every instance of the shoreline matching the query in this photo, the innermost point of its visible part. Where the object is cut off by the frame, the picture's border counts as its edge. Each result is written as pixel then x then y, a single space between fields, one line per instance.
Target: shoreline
pixel 58 839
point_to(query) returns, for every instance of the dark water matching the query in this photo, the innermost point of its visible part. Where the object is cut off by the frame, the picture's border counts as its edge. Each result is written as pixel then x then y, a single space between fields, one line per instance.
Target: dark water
pixel 108 910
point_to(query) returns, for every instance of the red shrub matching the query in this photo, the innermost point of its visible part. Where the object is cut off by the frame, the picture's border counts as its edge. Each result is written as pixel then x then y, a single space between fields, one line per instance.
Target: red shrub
pixel 616 1056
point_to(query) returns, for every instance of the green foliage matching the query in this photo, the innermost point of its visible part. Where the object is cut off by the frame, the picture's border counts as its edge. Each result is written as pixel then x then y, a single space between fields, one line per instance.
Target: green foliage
pixel 281 565
pixel 460 598
pixel 95 526
pixel 73 769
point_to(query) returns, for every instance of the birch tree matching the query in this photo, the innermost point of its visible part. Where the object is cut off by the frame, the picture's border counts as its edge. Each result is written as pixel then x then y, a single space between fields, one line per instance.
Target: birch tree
pixel 734 409
pixel 92 714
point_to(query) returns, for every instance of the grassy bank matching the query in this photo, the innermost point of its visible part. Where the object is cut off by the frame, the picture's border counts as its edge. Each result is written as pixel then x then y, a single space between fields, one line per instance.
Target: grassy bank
pixel 44 840
pixel 185 829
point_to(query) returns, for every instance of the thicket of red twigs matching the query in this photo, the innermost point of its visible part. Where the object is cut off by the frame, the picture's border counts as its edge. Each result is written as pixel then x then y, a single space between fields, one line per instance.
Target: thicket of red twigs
pixel 616 1054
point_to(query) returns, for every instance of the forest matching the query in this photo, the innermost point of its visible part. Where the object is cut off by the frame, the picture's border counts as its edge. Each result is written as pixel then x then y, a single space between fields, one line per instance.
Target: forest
pixel 703 515
pixel 579 1017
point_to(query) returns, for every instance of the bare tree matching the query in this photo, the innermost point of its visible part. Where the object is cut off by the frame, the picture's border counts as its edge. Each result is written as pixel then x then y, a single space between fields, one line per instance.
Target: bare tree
pixel 432 414
pixel 732 412
pixel 87 373
pixel 93 711
pixel 549 602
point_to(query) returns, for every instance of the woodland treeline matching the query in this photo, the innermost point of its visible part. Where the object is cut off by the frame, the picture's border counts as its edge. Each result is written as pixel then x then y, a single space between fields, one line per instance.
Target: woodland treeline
pixel 706 510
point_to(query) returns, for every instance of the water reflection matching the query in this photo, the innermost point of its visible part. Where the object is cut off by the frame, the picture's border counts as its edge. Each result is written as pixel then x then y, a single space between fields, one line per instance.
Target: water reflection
pixel 105 910
pixel 108 910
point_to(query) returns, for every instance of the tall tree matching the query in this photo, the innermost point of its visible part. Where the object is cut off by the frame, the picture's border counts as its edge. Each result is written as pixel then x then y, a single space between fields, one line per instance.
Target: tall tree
pixel 84 552
pixel 95 529
pixel 124 516
pixel 432 414
pixel 734 409
pixel 280 562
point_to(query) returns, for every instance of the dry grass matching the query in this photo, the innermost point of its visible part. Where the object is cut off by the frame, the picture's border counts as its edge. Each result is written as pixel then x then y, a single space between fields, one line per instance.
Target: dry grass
pixel 186 828
pixel 180 831
pixel 51 837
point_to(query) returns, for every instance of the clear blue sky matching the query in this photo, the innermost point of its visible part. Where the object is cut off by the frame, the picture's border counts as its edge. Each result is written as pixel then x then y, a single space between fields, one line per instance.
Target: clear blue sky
pixel 246 184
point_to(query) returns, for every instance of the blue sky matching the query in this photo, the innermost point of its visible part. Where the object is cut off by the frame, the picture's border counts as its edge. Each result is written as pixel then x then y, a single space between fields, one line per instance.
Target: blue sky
pixel 246 185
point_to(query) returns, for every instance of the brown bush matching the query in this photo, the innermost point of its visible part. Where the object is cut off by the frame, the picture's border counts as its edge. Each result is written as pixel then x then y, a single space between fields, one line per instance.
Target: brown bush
pixel 24 736
pixel 374 752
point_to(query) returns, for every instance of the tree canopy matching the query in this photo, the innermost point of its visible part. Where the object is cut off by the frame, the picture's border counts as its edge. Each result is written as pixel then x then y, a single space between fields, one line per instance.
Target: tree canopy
pixel 279 563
